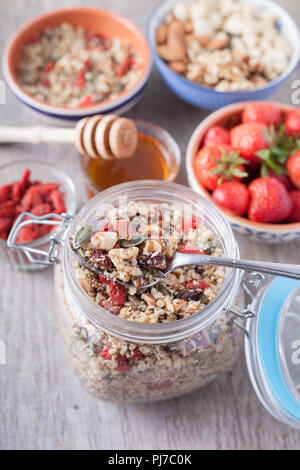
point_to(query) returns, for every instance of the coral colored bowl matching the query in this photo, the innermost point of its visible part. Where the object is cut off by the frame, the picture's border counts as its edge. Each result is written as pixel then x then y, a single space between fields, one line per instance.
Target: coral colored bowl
pixel 254 231
pixel 96 21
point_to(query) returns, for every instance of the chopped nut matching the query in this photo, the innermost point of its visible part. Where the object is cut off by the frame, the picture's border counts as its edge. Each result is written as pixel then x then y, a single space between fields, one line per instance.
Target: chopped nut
pixel 104 240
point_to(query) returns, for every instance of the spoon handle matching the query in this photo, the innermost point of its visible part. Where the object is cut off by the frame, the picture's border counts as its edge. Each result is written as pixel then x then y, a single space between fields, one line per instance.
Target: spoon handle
pixel 36 134
pixel 277 269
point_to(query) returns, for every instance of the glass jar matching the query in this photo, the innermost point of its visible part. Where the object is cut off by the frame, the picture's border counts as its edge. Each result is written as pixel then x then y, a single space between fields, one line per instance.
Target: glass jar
pixel 165 359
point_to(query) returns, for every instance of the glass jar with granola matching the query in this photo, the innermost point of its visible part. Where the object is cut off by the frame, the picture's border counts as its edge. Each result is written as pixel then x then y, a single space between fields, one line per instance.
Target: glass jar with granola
pixel 131 343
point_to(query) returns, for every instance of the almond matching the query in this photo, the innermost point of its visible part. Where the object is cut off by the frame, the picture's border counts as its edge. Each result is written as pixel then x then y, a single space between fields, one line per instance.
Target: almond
pixel 161 34
pixel 178 66
pixel 174 50
pixel 218 43
pixel 188 27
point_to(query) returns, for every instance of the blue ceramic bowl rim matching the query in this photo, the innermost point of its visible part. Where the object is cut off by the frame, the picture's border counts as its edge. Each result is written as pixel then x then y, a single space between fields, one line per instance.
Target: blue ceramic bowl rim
pixel 295 60
pixel 62 113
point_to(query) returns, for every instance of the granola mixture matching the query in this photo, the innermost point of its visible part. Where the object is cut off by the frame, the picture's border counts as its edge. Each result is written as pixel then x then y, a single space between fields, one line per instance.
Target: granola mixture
pixel 68 66
pixel 135 248
pixel 116 370
pixel 227 45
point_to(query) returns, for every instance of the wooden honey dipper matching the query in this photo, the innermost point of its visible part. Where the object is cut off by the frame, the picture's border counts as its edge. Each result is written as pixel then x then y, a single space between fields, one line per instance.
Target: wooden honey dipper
pixel 102 136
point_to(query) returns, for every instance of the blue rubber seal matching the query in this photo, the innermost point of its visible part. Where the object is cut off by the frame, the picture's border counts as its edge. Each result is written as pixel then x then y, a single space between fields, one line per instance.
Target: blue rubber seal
pixel 268 324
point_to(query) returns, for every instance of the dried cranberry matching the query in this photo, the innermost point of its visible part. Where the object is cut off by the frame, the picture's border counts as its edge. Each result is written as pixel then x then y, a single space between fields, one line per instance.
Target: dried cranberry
pixel 150 261
pixel 187 294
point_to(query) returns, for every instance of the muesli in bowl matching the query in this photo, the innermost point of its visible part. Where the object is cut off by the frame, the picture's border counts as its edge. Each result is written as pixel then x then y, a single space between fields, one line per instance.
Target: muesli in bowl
pixel 130 344
pixel 67 65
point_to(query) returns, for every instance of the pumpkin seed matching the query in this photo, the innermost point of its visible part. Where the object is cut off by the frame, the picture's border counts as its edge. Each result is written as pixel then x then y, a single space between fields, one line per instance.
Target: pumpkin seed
pixel 135 241
pixel 138 302
pixel 162 289
pixel 82 236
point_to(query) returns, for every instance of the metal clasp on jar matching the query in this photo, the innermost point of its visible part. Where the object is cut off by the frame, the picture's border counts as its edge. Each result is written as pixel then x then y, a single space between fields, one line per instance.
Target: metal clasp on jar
pixel 46 258
pixel 251 285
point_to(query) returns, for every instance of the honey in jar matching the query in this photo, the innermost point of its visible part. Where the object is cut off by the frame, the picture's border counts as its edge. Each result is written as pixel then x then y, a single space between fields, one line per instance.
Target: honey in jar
pixel 151 160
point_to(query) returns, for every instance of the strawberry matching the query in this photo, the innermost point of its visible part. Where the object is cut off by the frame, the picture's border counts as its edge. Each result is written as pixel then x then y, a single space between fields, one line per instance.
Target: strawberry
pixel 285 179
pixel 217 135
pixel 233 196
pixel 293 168
pixel 215 164
pixel 295 215
pixel 264 113
pixel 270 201
pixel 249 139
pixel 292 122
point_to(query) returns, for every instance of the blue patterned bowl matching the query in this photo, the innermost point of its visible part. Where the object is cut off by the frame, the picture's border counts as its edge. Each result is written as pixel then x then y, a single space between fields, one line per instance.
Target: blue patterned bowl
pixel 204 97
pixel 254 231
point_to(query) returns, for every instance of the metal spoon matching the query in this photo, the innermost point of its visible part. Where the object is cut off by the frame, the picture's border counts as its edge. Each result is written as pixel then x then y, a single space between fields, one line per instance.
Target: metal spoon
pixel 183 259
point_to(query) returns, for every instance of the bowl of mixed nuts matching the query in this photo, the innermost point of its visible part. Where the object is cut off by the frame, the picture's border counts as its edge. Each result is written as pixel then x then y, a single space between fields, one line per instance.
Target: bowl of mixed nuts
pixel 245 158
pixel 212 53
pixel 78 62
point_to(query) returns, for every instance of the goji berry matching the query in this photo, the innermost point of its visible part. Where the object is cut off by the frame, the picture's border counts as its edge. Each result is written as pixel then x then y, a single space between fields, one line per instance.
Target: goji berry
pixel 189 249
pixel 5 193
pixel 117 293
pixel 45 189
pixel 27 234
pixel 196 284
pixel 124 67
pixel 5 224
pixel 49 66
pixel 193 223
pixel 32 198
pixel 3 235
pixel 123 367
pixel 45 82
pixel 7 204
pixel 86 101
pixel 25 180
pixel 80 82
pixel 42 209
pixel 103 279
pixel 58 200
pixel 137 355
pixel 16 192
pixel 105 354
pixel 8 212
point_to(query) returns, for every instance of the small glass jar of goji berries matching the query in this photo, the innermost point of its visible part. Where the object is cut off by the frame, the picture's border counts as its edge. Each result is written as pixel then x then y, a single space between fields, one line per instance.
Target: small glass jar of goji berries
pixel 129 344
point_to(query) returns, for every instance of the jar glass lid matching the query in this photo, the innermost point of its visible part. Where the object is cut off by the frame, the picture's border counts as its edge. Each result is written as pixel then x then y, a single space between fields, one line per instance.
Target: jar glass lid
pixel 273 354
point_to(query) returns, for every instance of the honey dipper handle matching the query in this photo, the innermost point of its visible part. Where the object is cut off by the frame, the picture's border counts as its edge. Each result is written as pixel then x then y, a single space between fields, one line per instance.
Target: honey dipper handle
pixel 36 134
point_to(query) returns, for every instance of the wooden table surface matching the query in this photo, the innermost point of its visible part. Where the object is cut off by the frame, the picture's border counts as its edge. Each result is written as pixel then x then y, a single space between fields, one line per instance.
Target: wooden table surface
pixel 43 406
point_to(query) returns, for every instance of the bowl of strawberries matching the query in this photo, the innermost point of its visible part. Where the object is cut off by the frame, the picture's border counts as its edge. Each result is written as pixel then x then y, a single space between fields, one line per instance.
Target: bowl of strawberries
pixel 36 188
pixel 245 158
